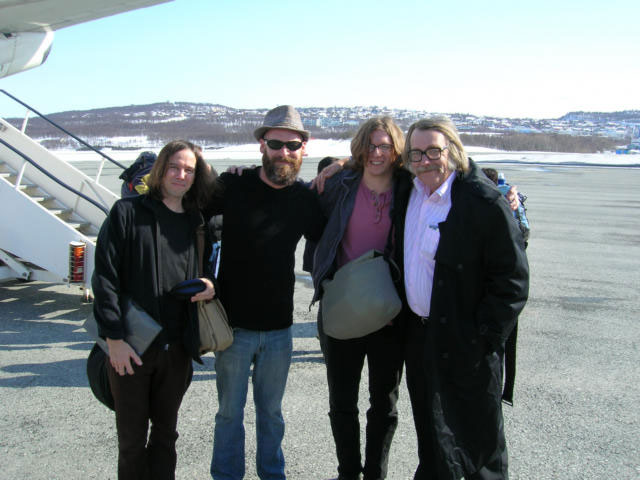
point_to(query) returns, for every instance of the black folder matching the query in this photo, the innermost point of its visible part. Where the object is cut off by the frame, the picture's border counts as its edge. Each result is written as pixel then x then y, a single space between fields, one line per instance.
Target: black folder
pixel 140 328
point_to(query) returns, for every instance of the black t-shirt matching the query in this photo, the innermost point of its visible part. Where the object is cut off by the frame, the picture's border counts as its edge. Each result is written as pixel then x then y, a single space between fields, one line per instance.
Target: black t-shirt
pixel 261 228
pixel 174 245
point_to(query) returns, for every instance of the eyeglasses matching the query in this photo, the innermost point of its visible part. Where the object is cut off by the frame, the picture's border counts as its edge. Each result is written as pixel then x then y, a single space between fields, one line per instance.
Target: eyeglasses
pixel 384 148
pixel 277 145
pixel 433 153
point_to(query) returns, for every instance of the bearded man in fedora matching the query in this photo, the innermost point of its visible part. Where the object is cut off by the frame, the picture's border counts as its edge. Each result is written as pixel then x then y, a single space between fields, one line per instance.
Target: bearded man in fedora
pixel 266 212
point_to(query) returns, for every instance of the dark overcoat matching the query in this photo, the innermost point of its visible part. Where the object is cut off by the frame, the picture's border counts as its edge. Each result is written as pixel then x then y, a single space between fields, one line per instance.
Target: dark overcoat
pixel 480 285
pixel 128 261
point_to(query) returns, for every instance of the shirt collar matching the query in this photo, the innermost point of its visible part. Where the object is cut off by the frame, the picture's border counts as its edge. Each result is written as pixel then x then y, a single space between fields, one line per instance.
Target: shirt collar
pixel 441 192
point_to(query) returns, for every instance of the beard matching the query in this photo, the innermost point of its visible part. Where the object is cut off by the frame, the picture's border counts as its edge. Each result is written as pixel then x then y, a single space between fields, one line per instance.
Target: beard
pixel 281 174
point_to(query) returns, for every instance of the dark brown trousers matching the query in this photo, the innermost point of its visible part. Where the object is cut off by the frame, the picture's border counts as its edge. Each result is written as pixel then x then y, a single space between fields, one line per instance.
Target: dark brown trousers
pixel 152 394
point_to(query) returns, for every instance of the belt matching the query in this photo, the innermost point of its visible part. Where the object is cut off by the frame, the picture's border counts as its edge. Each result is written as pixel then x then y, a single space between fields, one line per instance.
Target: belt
pixel 420 318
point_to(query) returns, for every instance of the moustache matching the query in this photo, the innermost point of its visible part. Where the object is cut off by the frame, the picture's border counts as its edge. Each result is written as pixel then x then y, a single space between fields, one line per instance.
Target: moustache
pixel 289 160
pixel 429 168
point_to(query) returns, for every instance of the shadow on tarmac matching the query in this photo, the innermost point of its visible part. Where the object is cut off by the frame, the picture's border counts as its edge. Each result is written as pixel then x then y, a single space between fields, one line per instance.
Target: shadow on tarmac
pixel 39 317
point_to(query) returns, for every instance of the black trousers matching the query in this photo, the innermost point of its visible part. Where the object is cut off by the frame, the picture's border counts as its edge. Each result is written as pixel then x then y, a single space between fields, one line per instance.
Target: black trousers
pixel 415 333
pixel 152 394
pixel 344 360
pixel 495 468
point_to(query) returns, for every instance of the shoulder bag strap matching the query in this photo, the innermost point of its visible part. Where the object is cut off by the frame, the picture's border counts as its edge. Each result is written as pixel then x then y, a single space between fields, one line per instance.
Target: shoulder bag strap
pixel 200 243
pixel 396 274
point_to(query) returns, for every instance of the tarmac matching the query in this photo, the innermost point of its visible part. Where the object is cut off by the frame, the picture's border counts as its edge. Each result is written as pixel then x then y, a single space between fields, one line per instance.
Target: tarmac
pixel 576 413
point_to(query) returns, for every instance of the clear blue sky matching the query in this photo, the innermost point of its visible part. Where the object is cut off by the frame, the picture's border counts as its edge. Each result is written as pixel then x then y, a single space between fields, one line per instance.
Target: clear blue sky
pixel 536 59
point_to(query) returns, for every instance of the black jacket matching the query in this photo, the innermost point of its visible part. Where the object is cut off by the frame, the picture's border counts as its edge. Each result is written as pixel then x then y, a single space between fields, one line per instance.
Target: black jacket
pixel 262 227
pixel 480 285
pixel 126 262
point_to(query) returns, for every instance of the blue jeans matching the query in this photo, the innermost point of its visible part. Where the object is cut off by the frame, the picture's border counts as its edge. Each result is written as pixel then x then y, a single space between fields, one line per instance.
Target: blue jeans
pixel 270 353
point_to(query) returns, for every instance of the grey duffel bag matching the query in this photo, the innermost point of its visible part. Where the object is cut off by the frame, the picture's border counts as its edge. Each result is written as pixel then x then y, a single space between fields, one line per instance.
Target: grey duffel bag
pixel 360 299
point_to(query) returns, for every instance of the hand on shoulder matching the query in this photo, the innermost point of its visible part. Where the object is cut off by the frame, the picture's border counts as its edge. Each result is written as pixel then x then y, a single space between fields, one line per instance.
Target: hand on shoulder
pixel 319 182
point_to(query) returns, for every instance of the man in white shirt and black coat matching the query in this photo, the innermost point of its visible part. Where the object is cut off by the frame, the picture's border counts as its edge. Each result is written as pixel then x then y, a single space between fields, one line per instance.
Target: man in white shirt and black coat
pixel 466 279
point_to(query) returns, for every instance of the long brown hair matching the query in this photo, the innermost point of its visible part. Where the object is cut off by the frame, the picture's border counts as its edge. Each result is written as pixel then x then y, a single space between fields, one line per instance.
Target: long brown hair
pixel 199 193
pixel 362 138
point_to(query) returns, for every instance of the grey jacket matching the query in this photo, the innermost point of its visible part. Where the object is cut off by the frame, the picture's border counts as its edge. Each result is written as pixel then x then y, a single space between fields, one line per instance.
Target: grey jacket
pixel 337 202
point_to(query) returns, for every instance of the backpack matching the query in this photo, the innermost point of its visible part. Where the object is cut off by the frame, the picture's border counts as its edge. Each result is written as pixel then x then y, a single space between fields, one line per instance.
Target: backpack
pixel 132 176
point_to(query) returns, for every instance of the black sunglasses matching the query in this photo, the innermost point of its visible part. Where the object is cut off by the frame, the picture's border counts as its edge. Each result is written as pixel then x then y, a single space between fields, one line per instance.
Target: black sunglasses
pixel 277 145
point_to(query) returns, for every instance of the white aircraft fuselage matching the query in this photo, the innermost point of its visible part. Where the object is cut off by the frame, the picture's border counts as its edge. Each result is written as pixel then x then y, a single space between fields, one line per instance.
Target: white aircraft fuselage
pixel 27 27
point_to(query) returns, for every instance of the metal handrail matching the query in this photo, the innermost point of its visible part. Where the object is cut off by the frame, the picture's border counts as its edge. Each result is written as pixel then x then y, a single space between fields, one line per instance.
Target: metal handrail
pixel 44 117
pixel 54 178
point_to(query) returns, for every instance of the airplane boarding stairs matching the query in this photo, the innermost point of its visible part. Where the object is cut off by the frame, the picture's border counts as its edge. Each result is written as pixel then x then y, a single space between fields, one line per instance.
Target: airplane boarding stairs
pixel 44 217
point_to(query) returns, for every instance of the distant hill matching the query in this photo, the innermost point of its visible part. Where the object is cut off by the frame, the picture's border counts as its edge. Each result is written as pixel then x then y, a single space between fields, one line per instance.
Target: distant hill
pixel 210 125
pixel 626 116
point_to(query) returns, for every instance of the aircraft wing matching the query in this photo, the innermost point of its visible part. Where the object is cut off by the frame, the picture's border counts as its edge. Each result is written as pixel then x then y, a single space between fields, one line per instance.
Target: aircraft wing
pixel 46 15
pixel 27 26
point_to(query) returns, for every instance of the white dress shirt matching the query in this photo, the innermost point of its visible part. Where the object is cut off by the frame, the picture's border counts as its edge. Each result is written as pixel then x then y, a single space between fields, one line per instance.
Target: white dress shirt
pixel 421 238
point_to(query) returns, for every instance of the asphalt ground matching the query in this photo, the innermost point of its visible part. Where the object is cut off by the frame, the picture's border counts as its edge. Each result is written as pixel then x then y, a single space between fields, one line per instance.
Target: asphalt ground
pixel 576 412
